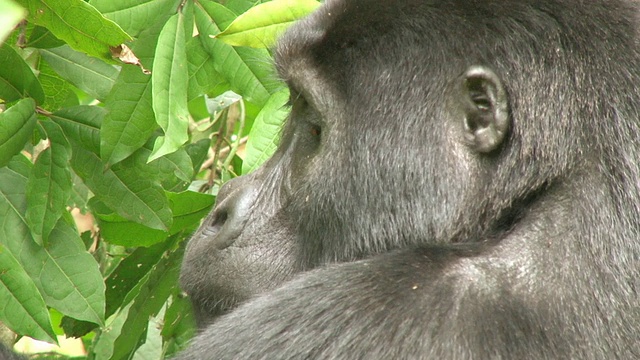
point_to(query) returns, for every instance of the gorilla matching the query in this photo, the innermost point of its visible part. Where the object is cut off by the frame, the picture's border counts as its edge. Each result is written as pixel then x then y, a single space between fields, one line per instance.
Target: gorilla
pixel 457 179
pixel 6 354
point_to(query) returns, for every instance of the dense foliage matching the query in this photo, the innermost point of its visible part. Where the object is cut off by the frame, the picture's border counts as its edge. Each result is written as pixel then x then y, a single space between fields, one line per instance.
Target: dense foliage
pixel 121 118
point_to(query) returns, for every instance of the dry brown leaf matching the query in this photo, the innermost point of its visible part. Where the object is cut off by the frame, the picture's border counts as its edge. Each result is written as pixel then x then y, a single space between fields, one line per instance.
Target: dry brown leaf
pixel 124 54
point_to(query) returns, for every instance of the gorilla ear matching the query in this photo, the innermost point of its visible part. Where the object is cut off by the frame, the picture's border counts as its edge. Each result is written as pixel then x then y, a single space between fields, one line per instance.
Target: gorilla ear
pixel 484 102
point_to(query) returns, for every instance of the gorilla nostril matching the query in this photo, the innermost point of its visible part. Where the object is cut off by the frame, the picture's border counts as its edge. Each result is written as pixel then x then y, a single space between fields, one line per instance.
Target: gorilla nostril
pixel 219 219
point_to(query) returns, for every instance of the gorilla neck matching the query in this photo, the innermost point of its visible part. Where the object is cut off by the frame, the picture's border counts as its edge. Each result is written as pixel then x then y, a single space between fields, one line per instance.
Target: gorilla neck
pixel 578 208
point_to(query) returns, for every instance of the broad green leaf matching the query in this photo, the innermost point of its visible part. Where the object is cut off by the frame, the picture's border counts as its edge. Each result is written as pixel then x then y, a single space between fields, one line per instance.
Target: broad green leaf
pixel 241 6
pixel 130 273
pixel 89 74
pixel 203 77
pixel 176 170
pixel 261 25
pixel 16 78
pixel 10 16
pixel 130 121
pixel 16 127
pixel 77 23
pixel 188 209
pixel 245 69
pixel 65 274
pixel 264 135
pixel 58 93
pixel 42 38
pixel 22 308
pixel 102 349
pixel 49 185
pixel 179 324
pixel 117 230
pixel 147 302
pixel 151 347
pixel 81 125
pixel 170 83
pixel 136 16
pixel 135 196
pixel 69 277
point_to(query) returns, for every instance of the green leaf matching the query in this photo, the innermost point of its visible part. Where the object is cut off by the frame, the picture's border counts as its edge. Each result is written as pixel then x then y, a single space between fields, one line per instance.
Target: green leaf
pixel 16 127
pixel 135 196
pixel 240 6
pixel 42 38
pixel 81 125
pixel 130 273
pixel 127 275
pixel 188 209
pixel 264 135
pixel 119 231
pixel 58 93
pixel 23 310
pixel 65 274
pixel 10 16
pixel 102 348
pixel 136 16
pixel 77 23
pixel 49 185
pixel 245 69
pixel 176 170
pixel 89 74
pixel 203 77
pixel 130 121
pixel 179 324
pixel 16 78
pixel 151 344
pixel 69 277
pixel 198 153
pixel 170 80
pixel 261 25
pixel 147 302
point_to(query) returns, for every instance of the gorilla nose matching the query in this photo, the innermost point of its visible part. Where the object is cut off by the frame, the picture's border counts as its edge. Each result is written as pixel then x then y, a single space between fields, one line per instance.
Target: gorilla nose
pixel 234 203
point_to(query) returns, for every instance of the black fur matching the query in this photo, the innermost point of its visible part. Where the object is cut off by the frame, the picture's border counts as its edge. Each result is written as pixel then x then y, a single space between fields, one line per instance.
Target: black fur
pixel 6 354
pixel 525 248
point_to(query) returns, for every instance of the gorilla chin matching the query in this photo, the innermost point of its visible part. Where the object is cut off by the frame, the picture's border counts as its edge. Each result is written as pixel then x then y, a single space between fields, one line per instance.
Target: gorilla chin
pixel 457 180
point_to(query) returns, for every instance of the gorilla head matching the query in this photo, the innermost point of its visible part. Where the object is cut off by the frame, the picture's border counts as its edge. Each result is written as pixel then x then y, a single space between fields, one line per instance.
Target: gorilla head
pixel 473 166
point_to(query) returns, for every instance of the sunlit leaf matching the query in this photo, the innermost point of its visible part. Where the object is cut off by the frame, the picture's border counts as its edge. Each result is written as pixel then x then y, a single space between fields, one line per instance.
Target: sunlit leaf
pixel 248 71
pixel 265 132
pixel 170 80
pixel 10 16
pixel 77 23
pixel 136 16
pixel 261 25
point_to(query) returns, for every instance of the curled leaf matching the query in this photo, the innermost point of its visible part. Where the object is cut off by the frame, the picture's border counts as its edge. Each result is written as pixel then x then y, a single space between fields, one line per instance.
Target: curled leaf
pixel 124 54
